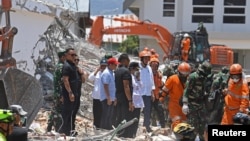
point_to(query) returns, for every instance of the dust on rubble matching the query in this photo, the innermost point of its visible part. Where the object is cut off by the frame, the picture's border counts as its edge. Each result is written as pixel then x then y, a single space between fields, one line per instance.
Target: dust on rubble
pixel 86 131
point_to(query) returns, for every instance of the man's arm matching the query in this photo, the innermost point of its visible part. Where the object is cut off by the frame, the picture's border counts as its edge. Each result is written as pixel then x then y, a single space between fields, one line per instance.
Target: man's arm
pixel 128 94
pixel 67 87
pixel 106 89
pixel 81 73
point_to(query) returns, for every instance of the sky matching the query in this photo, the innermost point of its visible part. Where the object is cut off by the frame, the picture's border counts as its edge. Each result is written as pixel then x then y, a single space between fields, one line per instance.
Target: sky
pixel 106 7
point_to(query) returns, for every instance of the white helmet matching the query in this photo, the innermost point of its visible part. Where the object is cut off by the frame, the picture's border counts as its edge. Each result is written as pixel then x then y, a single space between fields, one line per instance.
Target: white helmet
pixel 186 35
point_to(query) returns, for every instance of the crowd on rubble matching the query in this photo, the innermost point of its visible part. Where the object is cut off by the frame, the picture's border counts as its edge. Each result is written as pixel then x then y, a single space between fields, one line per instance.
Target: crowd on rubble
pixel 187 101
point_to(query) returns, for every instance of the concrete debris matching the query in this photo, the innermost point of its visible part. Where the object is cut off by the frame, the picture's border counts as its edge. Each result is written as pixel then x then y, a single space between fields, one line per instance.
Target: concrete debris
pixel 86 131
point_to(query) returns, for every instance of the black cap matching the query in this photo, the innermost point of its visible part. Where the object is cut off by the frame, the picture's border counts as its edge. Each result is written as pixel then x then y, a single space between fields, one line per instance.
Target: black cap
pixel 134 65
pixel 103 61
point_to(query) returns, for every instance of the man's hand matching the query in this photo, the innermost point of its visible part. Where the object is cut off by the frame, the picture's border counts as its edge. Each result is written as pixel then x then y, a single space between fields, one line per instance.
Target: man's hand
pixel 115 102
pixel 185 109
pixel 131 106
pixel 71 97
pixel 109 101
pixel 225 91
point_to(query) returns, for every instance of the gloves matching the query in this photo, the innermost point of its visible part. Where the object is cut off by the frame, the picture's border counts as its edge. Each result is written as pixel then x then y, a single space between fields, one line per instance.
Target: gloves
pixel 185 109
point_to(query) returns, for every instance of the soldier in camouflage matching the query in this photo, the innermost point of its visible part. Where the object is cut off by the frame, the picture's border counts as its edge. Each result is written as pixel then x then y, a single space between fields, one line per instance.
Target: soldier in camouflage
pixel 216 98
pixel 55 115
pixel 194 97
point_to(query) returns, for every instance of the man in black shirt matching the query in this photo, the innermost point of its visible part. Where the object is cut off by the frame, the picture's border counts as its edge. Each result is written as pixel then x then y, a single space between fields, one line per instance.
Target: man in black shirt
pixel 69 91
pixel 124 106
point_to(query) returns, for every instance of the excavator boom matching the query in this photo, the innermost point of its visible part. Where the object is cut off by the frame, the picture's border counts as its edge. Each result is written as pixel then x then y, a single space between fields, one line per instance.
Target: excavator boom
pixel 161 34
pixel 171 44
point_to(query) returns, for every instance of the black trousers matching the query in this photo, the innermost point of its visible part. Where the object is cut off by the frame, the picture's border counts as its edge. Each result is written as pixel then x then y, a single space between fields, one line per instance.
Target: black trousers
pixel 67 116
pixel 97 112
pixel 75 111
pixel 123 113
pixel 134 127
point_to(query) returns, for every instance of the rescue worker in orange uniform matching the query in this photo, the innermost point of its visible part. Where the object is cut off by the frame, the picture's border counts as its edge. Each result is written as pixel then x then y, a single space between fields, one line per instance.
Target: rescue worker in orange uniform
pixel 185 47
pixel 237 95
pixel 174 87
pixel 158 106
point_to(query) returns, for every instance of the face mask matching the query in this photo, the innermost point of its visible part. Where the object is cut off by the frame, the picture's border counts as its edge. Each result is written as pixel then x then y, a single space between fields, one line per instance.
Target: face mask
pixel 236 80
pixel 137 74
pixel 183 78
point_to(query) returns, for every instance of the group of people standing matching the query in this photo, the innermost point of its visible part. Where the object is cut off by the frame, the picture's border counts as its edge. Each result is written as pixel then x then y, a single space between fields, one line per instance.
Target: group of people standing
pixel 123 90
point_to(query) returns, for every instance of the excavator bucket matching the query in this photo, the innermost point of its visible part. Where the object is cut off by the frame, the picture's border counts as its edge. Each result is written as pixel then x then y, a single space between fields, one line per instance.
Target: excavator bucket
pixel 18 87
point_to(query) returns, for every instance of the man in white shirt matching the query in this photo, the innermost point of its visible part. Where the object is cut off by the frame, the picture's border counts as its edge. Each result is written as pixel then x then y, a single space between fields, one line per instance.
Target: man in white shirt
pixel 147 80
pixel 97 105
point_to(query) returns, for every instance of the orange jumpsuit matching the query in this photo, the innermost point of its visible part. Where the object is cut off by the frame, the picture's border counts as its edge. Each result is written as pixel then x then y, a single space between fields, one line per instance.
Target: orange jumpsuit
pixel 175 90
pixel 237 99
pixel 185 49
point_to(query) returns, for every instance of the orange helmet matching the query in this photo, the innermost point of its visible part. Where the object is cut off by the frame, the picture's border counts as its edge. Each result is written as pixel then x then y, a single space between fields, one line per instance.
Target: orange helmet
pixel 184 68
pixel 235 69
pixel 144 53
pixel 154 59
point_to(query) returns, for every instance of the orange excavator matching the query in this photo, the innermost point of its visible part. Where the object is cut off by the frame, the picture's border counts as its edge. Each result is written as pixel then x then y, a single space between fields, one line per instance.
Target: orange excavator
pixel 200 49
pixel 16 86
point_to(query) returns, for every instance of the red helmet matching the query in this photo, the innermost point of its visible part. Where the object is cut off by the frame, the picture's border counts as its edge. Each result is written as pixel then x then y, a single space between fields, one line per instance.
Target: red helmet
pixel 184 68
pixel 235 69
pixel 144 53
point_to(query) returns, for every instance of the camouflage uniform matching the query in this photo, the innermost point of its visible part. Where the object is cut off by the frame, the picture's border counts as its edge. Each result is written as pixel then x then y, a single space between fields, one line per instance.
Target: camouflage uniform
pixel 194 96
pixel 216 98
pixel 55 115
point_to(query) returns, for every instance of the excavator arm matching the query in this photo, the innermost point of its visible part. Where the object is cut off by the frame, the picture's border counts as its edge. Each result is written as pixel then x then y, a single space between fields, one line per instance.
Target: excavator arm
pixel 16 86
pixel 161 34
pixel 6 36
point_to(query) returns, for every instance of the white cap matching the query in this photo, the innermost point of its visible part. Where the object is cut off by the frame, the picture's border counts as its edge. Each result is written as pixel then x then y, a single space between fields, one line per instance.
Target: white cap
pixel 18 109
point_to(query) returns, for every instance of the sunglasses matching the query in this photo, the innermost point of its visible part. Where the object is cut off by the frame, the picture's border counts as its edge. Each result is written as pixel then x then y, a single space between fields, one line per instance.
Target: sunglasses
pixel 73 55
